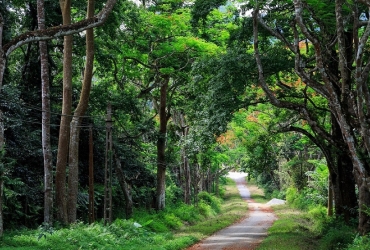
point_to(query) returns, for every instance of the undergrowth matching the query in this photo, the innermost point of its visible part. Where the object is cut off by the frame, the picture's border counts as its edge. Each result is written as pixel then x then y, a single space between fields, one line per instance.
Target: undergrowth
pixel 177 227
pixel 301 225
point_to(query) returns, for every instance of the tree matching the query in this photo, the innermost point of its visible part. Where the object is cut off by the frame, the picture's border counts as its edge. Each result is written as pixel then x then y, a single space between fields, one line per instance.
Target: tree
pixel 42 35
pixel 77 119
pixel 337 72
pixel 63 142
pixel 286 90
pixel 159 52
pixel 46 144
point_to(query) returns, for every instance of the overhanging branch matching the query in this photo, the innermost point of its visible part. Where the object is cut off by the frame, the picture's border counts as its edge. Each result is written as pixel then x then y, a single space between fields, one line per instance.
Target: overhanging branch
pixel 58 31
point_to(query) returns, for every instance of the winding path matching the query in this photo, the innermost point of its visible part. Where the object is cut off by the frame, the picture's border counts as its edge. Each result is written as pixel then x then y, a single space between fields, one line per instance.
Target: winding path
pixel 246 234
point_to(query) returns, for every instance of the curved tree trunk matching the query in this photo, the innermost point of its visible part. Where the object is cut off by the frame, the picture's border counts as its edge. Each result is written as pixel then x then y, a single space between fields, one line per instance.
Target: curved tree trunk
pixel 77 119
pixel 45 96
pixel 61 166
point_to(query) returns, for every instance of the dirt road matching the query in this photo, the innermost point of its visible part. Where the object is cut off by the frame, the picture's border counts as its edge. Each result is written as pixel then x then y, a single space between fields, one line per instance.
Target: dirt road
pixel 246 234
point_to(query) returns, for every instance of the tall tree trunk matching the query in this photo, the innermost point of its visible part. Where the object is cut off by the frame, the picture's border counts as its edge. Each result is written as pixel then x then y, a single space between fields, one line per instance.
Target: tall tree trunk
pixel 184 169
pixel 2 70
pixel 161 147
pixel 187 191
pixel 77 119
pixel 217 182
pixel 126 188
pixel 62 156
pixel 342 179
pixel 330 197
pixel 197 181
pixel 45 99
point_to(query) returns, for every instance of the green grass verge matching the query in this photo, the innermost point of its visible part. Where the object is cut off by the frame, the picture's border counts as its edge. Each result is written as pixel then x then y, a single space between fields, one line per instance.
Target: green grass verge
pixel 289 231
pixel 305 230
pixel 233 209
pixel 175 228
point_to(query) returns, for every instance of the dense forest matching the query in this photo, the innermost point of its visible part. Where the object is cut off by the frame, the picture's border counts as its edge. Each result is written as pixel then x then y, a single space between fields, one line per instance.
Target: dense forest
pixel 107 107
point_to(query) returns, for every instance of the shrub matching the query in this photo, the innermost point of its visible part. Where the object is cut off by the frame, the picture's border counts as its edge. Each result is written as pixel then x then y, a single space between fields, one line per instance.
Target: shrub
pixel 205 209
pixel 337 237
pixel 291 194
pixel 186 213
pixel 172 221
pixel 158 226
pixel 318 217
pixel 360 242
pixel 278 194
pixel 299 200
pixel 212 201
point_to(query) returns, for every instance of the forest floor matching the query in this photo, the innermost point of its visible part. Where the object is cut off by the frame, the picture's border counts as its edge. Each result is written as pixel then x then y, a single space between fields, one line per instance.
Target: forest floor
pixel 246 234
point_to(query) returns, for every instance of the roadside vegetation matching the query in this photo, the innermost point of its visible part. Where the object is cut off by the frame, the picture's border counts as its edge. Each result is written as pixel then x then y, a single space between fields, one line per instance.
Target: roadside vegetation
pixel 304 225
pixel 312 229
pixel 176 227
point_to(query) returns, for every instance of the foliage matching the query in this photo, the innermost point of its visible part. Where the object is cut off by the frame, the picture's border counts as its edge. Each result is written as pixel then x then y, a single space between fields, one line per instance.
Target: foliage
pixel 318 183
pixel 202 8
pixel 138 233
pixel 213 201
pixel 213 82
pixel 359 242
pixel 186 213
pixel 338 236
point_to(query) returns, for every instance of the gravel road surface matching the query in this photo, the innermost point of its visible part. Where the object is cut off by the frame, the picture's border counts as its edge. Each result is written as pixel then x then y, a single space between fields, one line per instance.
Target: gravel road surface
pixel 246 234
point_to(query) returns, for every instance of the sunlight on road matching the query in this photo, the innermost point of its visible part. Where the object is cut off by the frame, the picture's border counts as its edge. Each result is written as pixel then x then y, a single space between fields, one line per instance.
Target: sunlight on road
pixel 233 175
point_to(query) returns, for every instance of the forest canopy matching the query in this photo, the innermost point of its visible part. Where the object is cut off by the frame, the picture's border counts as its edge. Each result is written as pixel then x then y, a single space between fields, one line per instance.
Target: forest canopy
pixel 143 104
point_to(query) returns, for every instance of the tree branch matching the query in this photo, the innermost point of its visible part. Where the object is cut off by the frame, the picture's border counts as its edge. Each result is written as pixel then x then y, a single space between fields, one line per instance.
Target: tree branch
pixel 58 31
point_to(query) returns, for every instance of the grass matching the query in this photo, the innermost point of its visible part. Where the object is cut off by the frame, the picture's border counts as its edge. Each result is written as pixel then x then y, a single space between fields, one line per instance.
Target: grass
pixel 309 229
pixel 175 228
pixel 232 209
pixel 290 231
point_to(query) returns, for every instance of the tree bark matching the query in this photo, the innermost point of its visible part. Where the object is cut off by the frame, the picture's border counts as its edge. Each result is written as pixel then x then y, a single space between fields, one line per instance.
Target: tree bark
pixel 2 70
pixel 187 191
pixel 47 34
pixel 184 169
pixel 62 156
pixel 342 179
pixel 126 188
pixel 330 198
pixel 161 147
pixel 197 180
pixel 77 120
pixel 1 205
pixel 45 97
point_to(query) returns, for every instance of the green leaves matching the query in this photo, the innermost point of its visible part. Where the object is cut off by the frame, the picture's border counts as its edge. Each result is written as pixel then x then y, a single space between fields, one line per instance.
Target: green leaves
pixel 202 8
